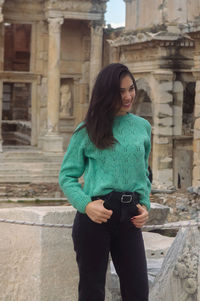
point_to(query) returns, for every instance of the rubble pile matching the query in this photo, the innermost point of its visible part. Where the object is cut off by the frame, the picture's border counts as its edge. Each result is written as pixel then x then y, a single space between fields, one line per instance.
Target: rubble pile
pixel 184 205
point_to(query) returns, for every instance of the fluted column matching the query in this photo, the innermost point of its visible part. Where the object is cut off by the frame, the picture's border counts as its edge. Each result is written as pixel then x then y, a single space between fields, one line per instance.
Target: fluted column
pixel 96 51
pixel 52 140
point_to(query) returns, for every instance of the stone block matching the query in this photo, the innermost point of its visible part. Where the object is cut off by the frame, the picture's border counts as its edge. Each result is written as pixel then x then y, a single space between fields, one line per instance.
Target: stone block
pixel 163 97
pixel 197 134
pixel 52 143
pixel 163 122
pixel 37 263
pixel 166 86
pixel 161 140
pixel 196 173
pixel 177 120
pixel 197 124
pixel 163 110
pixel 196 146
pixel 158 214
pixel 197 110
pixel 163 177
pixel 178 278
pixel 156 245
pixel 178 87
pixel 164 131
pixel 197 88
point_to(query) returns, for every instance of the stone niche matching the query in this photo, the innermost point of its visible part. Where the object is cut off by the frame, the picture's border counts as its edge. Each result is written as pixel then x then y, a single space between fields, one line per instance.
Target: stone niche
pixel 74 48
pixel 66 98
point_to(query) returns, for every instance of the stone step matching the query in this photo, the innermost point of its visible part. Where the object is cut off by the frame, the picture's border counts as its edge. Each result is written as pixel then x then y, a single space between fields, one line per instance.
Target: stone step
pixel 28 179
pixel 29 165
pixel 30 173
pixel 30 158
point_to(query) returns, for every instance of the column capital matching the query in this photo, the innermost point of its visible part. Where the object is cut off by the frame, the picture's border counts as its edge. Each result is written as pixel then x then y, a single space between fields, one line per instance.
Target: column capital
pixel 55 24
pixel 96 27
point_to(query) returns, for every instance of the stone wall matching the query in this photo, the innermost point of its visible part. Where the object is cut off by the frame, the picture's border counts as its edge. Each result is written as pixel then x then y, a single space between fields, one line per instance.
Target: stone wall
pixel 152 13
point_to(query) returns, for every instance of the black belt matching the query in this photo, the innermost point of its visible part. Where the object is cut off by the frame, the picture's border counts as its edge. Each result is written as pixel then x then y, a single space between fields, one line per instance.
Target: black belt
pixel 123 204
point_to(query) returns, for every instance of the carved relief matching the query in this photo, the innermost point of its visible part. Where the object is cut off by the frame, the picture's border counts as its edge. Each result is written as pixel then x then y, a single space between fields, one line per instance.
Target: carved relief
pixel 97 28
pixel 80 6
pixel 65 101
pixel 187 269
pixel 55 24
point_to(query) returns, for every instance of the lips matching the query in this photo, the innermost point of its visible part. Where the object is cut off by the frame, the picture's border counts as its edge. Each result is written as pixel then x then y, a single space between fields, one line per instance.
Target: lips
pixel 126 105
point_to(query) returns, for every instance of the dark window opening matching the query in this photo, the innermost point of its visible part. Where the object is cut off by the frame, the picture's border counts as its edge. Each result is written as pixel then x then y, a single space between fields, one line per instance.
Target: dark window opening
pixel 188 108
pixel 16 114
pixel 17 45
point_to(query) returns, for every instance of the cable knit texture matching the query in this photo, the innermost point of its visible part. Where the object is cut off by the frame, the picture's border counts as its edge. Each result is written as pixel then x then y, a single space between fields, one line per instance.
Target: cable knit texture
pixel 123 167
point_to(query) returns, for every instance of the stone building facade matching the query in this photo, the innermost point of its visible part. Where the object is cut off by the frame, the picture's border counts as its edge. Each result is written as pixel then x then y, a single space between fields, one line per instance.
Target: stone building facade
pixel 46 50
pixel 51 51
pixel 161 47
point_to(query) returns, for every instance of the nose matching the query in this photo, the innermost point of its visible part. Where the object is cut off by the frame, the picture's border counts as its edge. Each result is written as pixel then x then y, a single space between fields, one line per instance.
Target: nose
pixel 127 95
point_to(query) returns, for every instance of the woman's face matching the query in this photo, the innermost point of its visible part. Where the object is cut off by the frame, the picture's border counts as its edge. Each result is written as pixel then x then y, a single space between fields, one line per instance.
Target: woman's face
pixel 127 91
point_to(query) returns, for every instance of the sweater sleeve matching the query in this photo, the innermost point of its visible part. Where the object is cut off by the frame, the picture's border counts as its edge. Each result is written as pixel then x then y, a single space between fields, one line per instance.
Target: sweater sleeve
pixel 145 198
pixel 72 169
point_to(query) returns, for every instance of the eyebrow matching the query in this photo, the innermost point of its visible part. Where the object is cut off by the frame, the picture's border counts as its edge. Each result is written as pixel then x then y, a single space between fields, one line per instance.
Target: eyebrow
pixel 132 86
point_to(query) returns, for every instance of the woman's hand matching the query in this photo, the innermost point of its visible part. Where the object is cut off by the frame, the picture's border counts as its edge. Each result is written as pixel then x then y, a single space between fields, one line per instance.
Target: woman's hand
pixel 140 220
pixel 97 212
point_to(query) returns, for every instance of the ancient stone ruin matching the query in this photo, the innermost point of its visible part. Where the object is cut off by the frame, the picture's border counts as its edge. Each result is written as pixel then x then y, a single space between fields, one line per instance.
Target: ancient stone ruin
pixel 51 52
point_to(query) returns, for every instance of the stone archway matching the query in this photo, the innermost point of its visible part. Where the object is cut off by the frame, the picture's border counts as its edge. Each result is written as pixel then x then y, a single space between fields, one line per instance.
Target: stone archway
pixel 143 104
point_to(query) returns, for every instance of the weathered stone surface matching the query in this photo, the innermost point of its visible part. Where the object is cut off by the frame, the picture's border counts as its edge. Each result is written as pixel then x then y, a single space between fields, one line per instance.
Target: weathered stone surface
pixel 156 245
pixel 149 13
pixel 37 261
pixel 178 278
pixel 158 214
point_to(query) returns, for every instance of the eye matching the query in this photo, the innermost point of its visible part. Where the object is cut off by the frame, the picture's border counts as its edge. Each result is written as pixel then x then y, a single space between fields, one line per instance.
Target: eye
pixel 132 88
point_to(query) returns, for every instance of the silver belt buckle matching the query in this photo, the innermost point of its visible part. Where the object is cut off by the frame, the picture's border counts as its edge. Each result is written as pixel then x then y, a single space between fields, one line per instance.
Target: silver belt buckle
pixel 125 196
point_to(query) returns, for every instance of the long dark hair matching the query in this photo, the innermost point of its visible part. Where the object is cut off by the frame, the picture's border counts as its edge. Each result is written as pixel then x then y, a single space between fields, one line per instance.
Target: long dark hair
pixel 104 104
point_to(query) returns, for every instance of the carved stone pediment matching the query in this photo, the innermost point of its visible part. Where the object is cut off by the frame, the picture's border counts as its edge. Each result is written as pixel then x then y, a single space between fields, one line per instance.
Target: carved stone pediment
pixel 77 6
pixel 142 37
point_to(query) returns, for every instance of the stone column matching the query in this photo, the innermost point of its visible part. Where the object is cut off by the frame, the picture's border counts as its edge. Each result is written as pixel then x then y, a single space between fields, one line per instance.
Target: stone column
pixel 1 6
pixel 96 51
pixel 52 140
pixel 1 101
pixel 161 89
pixel 196 139
pixel 1 69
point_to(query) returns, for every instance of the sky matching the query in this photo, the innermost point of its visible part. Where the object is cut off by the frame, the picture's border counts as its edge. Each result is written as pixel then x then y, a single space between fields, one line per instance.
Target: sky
pixel 115 14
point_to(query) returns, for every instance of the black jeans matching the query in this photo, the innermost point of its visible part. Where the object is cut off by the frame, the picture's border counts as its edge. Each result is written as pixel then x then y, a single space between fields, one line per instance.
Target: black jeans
pixel 93 242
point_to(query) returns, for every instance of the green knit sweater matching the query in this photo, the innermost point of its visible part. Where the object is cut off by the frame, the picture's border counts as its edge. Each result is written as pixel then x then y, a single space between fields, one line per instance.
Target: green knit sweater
pixel 123 167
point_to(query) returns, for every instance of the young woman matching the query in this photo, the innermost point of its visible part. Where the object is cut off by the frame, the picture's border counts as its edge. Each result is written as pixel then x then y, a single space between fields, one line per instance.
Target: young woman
pixel 111 148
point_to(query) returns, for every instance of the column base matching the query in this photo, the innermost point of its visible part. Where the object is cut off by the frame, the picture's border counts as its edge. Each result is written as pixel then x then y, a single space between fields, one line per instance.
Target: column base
pixel 52 143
